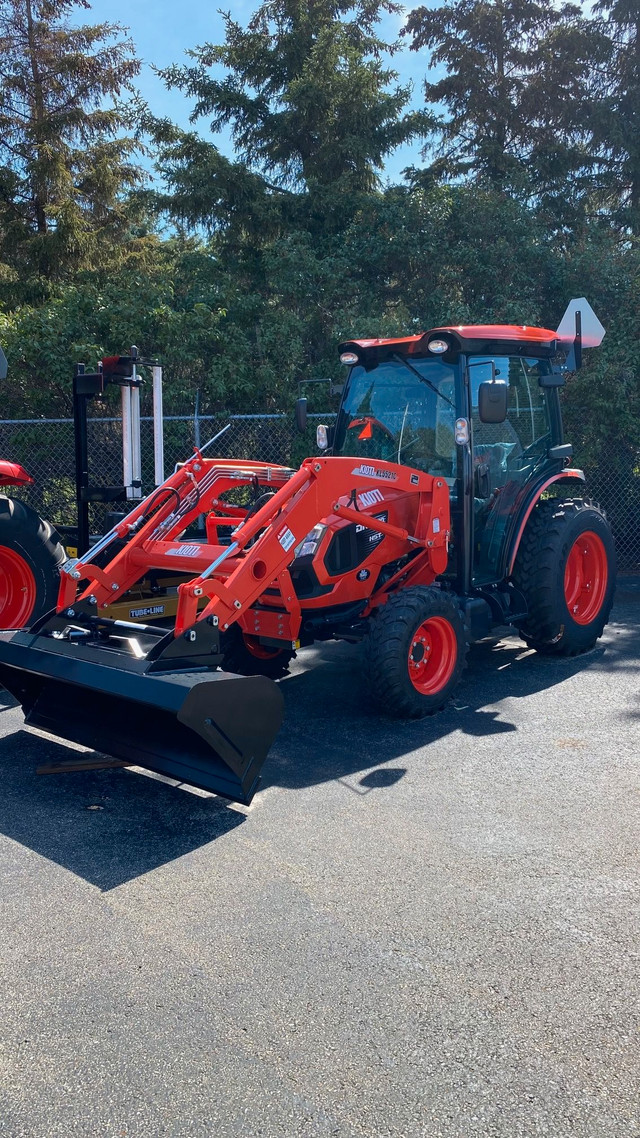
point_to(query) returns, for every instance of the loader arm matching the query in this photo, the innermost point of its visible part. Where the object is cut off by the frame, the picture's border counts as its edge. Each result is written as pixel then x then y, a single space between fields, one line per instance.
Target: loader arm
pixel 315 493
pixel 232 578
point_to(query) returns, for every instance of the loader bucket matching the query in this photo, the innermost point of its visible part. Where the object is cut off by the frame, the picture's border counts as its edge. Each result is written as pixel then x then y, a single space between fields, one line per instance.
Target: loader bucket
pixel 209 729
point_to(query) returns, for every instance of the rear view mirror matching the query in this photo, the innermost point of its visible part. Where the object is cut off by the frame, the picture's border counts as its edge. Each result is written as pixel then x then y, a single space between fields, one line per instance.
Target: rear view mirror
pixel 301 413
pixel 492 402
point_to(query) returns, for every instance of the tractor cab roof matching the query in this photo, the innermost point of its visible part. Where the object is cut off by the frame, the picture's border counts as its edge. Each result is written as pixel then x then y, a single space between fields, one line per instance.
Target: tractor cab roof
pixel 484 338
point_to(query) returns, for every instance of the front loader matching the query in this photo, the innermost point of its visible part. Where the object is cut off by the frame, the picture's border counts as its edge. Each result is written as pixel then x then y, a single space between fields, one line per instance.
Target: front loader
pixel 427 524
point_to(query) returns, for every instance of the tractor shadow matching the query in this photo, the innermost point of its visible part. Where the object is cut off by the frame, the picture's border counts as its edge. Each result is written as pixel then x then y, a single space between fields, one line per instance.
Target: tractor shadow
pixel 107 826
pixel 111 826
pixel 6 701
pixel 331 731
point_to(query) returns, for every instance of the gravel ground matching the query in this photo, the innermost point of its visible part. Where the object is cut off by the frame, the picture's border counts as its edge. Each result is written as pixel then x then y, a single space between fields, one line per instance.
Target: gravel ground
pixel 417 929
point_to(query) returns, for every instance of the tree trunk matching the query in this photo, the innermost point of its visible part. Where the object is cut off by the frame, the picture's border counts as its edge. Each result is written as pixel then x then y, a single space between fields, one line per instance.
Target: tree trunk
pixel 634 141
pixel 500 129
pixel 38 112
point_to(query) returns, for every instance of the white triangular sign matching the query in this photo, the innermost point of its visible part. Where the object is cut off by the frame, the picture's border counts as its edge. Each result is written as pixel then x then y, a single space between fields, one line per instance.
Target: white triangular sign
pixel 592 330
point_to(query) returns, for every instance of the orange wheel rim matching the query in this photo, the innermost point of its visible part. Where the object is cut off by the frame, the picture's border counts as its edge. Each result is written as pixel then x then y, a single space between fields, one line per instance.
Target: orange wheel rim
pixel 433 653
pixel 18 592
pixel 585 577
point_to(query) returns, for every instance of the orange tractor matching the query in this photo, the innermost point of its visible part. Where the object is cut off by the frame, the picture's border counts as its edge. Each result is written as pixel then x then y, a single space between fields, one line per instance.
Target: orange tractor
pixel 30 551
pixel 425 524
pixel 30 556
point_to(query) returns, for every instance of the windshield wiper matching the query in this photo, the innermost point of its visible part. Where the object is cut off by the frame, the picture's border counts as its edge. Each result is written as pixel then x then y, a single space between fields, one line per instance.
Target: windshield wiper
pixel 422 378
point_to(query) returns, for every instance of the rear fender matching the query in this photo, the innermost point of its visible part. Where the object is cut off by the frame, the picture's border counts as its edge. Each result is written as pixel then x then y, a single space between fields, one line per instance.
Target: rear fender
pixel 573 474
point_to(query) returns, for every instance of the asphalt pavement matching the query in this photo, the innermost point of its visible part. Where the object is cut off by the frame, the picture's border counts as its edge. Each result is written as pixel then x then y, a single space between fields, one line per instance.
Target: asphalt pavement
pixel 416 930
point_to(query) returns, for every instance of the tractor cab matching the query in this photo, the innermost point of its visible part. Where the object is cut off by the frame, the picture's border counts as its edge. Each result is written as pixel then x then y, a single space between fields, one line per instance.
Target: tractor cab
pixel 477 406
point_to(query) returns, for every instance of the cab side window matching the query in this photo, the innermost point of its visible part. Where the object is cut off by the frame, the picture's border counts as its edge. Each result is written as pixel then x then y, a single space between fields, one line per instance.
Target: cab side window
pixel 509 450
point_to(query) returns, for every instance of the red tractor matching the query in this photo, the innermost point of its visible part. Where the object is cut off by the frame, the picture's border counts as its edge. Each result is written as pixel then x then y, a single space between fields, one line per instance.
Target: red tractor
pixel 427 524
pixel 30 552
pixel 30 556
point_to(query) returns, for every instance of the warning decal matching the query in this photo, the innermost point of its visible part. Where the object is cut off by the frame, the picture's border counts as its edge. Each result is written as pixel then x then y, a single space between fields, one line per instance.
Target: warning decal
pixel 286 539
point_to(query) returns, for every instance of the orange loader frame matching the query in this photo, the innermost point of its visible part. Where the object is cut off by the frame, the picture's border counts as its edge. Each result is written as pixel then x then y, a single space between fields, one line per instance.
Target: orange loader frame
pixel 225 581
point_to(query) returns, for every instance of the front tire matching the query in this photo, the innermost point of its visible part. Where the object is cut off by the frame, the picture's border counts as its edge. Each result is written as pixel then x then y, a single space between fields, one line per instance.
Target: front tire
pixel 566 568
pixel 414 652
pixel 243 655
pixel 30 557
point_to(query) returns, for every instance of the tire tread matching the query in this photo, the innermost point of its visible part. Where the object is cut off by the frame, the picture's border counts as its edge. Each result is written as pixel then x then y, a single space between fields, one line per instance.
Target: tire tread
pixel 547 627
pixel 385 651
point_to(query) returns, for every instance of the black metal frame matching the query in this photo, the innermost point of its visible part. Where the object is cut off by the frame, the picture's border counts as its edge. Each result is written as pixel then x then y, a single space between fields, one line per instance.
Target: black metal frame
pixel 87 386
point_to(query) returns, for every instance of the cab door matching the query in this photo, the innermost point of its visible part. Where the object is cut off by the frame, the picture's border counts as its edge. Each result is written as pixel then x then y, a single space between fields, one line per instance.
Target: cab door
pixel 506 456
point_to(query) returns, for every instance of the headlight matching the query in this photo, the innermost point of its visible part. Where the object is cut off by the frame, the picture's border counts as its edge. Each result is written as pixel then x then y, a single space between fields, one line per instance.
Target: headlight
pixel 438 346
pixel 311 542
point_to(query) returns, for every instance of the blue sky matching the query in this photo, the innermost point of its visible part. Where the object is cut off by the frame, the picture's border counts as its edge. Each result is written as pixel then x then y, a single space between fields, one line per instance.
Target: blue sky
pixel 163 30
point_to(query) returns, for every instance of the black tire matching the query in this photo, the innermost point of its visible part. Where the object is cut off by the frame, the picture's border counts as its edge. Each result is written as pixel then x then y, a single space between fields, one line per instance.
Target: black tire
pixel 241 661
pixel 392 635
pixel 30 557
pixel 553 529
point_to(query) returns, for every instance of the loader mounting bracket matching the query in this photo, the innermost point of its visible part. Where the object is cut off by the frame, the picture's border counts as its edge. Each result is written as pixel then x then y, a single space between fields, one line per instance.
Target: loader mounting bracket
pixel 198 647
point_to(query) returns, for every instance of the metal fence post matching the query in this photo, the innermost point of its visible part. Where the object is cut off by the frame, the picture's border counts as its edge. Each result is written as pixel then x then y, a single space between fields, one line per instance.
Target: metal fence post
pixel 81 459
pixel 158 432
pixel 136 454
pixel 196 421
pixel 127 456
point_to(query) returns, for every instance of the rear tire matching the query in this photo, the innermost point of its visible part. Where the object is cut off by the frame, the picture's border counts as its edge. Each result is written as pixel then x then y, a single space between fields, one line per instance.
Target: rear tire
pixel 566 568
pixel 30 557
pixel 414 652
pixel 243 655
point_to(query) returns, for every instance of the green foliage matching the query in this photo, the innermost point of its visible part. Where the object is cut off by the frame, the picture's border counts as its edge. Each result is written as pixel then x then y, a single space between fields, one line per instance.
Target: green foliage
pixel 602 402
pixel 167 307
pixel 616 127
pixel 313 112
pixel 518 91
pixel 278 253
pixel 64 162
pixel 304 92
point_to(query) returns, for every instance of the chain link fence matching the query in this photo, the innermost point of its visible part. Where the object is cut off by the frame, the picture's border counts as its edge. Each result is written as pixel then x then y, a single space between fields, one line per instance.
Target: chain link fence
pixel 45 447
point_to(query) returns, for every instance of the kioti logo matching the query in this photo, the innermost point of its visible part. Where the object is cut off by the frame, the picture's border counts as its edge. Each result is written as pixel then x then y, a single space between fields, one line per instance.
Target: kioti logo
pixel 370 498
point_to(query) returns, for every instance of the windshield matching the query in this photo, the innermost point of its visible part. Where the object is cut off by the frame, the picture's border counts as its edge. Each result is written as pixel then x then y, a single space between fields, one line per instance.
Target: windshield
pixel 391 413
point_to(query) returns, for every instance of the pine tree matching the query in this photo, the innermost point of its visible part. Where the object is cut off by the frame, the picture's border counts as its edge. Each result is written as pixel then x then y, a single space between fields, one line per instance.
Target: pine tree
pixel 63 160
pixel 518 91
pixel 617 129
pixel 311 107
